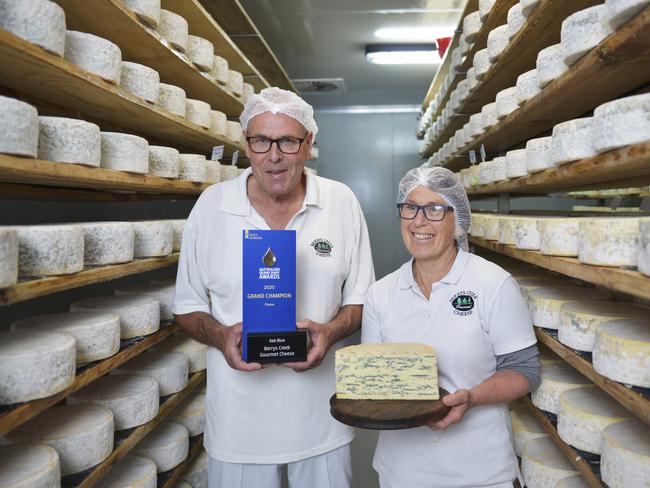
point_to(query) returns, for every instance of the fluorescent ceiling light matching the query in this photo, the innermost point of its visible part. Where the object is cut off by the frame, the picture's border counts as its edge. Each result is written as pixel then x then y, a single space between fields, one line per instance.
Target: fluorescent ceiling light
pixel 429 34
pixel 402 54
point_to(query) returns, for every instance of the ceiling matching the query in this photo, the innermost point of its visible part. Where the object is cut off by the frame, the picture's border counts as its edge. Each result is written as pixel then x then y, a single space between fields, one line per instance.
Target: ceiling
pixel 327 38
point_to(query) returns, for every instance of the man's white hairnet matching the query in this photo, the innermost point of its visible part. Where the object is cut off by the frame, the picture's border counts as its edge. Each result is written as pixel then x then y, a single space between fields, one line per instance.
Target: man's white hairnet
pixel 279 101
pixel 448 186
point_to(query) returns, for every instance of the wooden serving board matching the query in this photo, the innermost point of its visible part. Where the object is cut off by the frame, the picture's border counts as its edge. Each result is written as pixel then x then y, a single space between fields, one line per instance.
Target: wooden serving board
pixel 388 414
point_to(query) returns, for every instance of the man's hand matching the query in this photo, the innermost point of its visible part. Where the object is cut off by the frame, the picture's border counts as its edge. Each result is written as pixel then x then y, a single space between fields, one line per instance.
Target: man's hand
pixel 320 336
pixel 459 403
pixel 228 341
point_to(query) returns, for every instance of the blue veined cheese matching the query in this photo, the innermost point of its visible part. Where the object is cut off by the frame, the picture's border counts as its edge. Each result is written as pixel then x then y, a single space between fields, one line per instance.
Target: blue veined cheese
pixel 387 371
pixel 545 302
pixel 609 241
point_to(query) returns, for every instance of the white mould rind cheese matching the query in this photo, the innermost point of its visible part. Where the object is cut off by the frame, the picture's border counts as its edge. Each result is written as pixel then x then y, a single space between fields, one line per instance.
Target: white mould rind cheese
pixel 213 171
pixel 201 52
pixel 516 163
pixel 218 123
pixel 543 463
pixel 234 131
pixel 169 369
pixel 507 101
pixel 82 435
pixel 164 161
pixel 41 22
pixel 194 350
pixel 489 115
pixel 131 472
pixel 620 11
pixel 484 8
pixel 472 25
pixel 583 30
pixel 545 302
pixel 191 413
pixel 153 238
pixel 35 365
pixel 163 293
pixel 108 243
pixel 609 241
pixel 220 70
pixel 125 152
pixel 508 230
pixel 516 20
pixel 95 54
pixel 571 141
pixel 525 427
pixel 147 10
pixel 559 236
pixel 228 172
pixel 172 98
pixel 140 80
pixel 139 315
pixel 64 140
pixel 174 29
pixel 556 379
pixel 198 112
pixel 527 86
pixel 8 257
pixel 621 122
pixel 625 461
pixel 96 334
pixel 18 128
pixel 29 466
pixel 247 92
pixel 527 234
pixel 167 446
pixel 644 246
pixel 550 64
pixel 528 6
pixel 537 154
pixel 133 400
pixel 178 225
pixel 498 39
pixel 482 63
pixel 45 250
pixel 235 83
pixel 193 168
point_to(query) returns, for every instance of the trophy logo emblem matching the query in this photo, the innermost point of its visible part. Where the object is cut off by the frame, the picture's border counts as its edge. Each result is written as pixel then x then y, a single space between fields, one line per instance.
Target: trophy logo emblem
pixel 269 258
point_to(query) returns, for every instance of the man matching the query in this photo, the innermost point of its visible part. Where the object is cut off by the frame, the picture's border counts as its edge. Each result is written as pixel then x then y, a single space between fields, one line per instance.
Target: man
pixel 259 418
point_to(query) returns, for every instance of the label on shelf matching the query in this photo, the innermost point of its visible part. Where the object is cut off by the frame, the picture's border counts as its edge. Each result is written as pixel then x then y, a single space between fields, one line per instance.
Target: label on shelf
pixel 217 153
pixel 472 157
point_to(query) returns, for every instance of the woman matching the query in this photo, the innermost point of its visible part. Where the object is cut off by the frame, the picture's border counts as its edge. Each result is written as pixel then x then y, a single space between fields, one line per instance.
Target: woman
pixel 472 312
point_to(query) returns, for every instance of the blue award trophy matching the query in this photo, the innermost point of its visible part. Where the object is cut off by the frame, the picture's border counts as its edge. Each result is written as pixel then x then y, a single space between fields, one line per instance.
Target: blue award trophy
pixel 269 298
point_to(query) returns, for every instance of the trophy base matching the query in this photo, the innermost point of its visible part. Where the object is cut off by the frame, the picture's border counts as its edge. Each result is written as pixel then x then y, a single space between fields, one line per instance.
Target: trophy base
pixel 277 347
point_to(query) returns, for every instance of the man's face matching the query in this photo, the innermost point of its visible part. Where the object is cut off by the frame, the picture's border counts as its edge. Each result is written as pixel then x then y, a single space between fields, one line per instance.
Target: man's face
pixel 275 172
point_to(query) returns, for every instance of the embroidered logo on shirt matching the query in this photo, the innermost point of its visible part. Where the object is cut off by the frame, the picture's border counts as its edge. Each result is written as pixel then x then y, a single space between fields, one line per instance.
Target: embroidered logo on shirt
pixel 323 247
pixel 463 302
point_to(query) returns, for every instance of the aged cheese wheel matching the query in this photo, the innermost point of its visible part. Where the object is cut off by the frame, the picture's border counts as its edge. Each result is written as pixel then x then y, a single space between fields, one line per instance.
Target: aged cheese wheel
pixel 482 63
pixel 164 161
pixel 620 11
pixel 476 228
pixel 213 171
pixel 82 435
pixel 556 379
pixel 609 241
pixel 579 321
pixel 196 473
pixel 95 54
pixel 472 25
pixel 182 344
pixel 499 168
pixel 108 242
pixel 543 463
pixel 525 427
pixel 169 369
pixel 132 399
pixel 484 8
pixel 472 80
pixel 465 47
pixel 545 302
pixel 644 246
pixel 498 39
pixel 178 225
pixel 45 250
pixel 516 19
pixel 550 64
pixel 96 334
pixel 625 461
pixel 622 349
pixel 139 315
pixel 558 236
pixel 584 414
pixel 459 138
pixel 248 91
pixel 167 446
pixel 516 163
pixel 66 140
pixel 228 172
pixel 491 227
pixel 174 29
pixel 153 238
pixel 132 472
pixel 507 229
pixel 571 141
pixel 218 122
pixel 18 128
pixel 489 115
pixel 35 365
pixel 507 101
pixel 193 168
pixel 125 152
pixel 453 103
pixel 8 257
pixel 220 70
pixel 201 52
pixel 140 80
pixel 234 131
pixel 537 154
pixel 163 293
pixel 528 6
pixel 191 413
pixel 147 10
pixel 621 122
pixel 235 83
pixel 29 466
pixel 527 234
pixel 172 98
pixel 527 86
pixel 198 112
pixel 583 30
pixel 41 22
pixel 463 91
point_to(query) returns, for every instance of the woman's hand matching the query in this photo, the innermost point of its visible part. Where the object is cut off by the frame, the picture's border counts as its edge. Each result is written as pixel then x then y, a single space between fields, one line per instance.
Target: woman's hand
pixel 459 403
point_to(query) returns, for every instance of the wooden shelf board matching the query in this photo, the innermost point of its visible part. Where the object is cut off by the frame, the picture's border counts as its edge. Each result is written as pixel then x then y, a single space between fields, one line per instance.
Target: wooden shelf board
pixel 196 448
pixel 627 397
pixel 27 290
pixel 11 419
pixel 112 20
pixel 580 464
pixel 202 24
pixel 140 432
pixel 625 281
pixel 627 166
pixel 239 26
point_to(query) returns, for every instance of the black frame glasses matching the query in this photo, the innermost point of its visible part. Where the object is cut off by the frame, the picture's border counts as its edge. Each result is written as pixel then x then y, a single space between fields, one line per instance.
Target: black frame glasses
pixel 280 143
pixel 433 212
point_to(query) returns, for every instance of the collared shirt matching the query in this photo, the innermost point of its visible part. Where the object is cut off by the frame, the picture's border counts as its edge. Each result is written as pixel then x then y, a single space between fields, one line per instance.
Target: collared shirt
pixel 274 415
pixel 475 313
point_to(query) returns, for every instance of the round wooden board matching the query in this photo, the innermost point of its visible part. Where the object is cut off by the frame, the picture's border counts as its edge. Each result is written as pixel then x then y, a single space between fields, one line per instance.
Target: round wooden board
pixel 388 414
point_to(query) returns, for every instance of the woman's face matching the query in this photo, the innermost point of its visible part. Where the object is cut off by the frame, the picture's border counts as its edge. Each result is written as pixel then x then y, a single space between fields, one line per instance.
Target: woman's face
pixel 427 240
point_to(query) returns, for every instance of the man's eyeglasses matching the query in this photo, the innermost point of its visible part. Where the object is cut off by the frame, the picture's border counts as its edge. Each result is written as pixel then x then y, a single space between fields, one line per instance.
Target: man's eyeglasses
pixel 286 145
pixel 408 211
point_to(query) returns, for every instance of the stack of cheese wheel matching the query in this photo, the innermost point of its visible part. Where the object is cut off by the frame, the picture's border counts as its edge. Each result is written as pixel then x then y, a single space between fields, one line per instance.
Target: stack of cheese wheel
pixel 625 460
pixel 169 369
pixel 46 250
pixel 153 238
pixel 545 302
pixel 8 257
pixel 194 350
pixel 163 293
pixel 196 473
pixel 108 243
pixel 96 334
pixel 64 140
pixel 139 315
pixel 82 435
pixel 191 413
pixel 29 466
pixel 132 471
pixel 167 446
pixel 524 428
pixel 558 236
pixel 579 321
pixel 556 379
pixel 94 54
pixel 543 463
pixel 609 241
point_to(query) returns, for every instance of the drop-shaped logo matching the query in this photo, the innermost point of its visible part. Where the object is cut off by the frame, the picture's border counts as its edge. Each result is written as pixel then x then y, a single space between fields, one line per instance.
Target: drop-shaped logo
pixel 269 258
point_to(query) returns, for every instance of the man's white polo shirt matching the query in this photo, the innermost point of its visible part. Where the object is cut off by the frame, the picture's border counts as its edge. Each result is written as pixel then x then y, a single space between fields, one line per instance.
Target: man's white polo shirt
pixel 475 313
pixel 274 415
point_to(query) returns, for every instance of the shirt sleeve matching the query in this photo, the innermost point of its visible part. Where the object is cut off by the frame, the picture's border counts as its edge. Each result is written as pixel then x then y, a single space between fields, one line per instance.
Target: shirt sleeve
pixel 362 272
pixel 370 321
pixel 510 326
pixel 191 295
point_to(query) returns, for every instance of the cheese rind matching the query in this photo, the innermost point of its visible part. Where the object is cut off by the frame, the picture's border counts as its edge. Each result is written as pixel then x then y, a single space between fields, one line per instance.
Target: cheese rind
pixel 609 241
pixel 528 6
pixel 18 128
pixel 108 242
pixel 481 63
pixel 559 236
pixel 64 140
pixel 140 80
pixel 124 152
pixel 571 141
pixel 234 131
pixel 45 250
pixel 220 70
pixel 147 10
pixel 516 163
pixel 235 84
pixel 29 466
pixel 195 351
pixel 153 238
pixel 543 463
pixel 163 293
pixel 198 112
pixel 167 446
pixel 625 461
pixel 527 233
pixel 174 29
pixel 191 413
pixel 472 25
pixel 621 122
pixel 218 123
pixel 576 481
pixel 516 20
pixel 387 371
pixel 178 226
pixel 527 86
pixel 201 52
pixel 508 230
pixel 620 11
pixel 131 472
pixel 537 154
pixel 525 427
pixel 550 64
pixel 41 22
pixel 193 168
pixel 545 302
pixel 164 161
pixel 498 39
pixel 8 257
pixel 95 54
pixel 583 30
pixel 507 101
pixel 556 379
pixel 172 98
pixel 213 171
pixel 169 369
